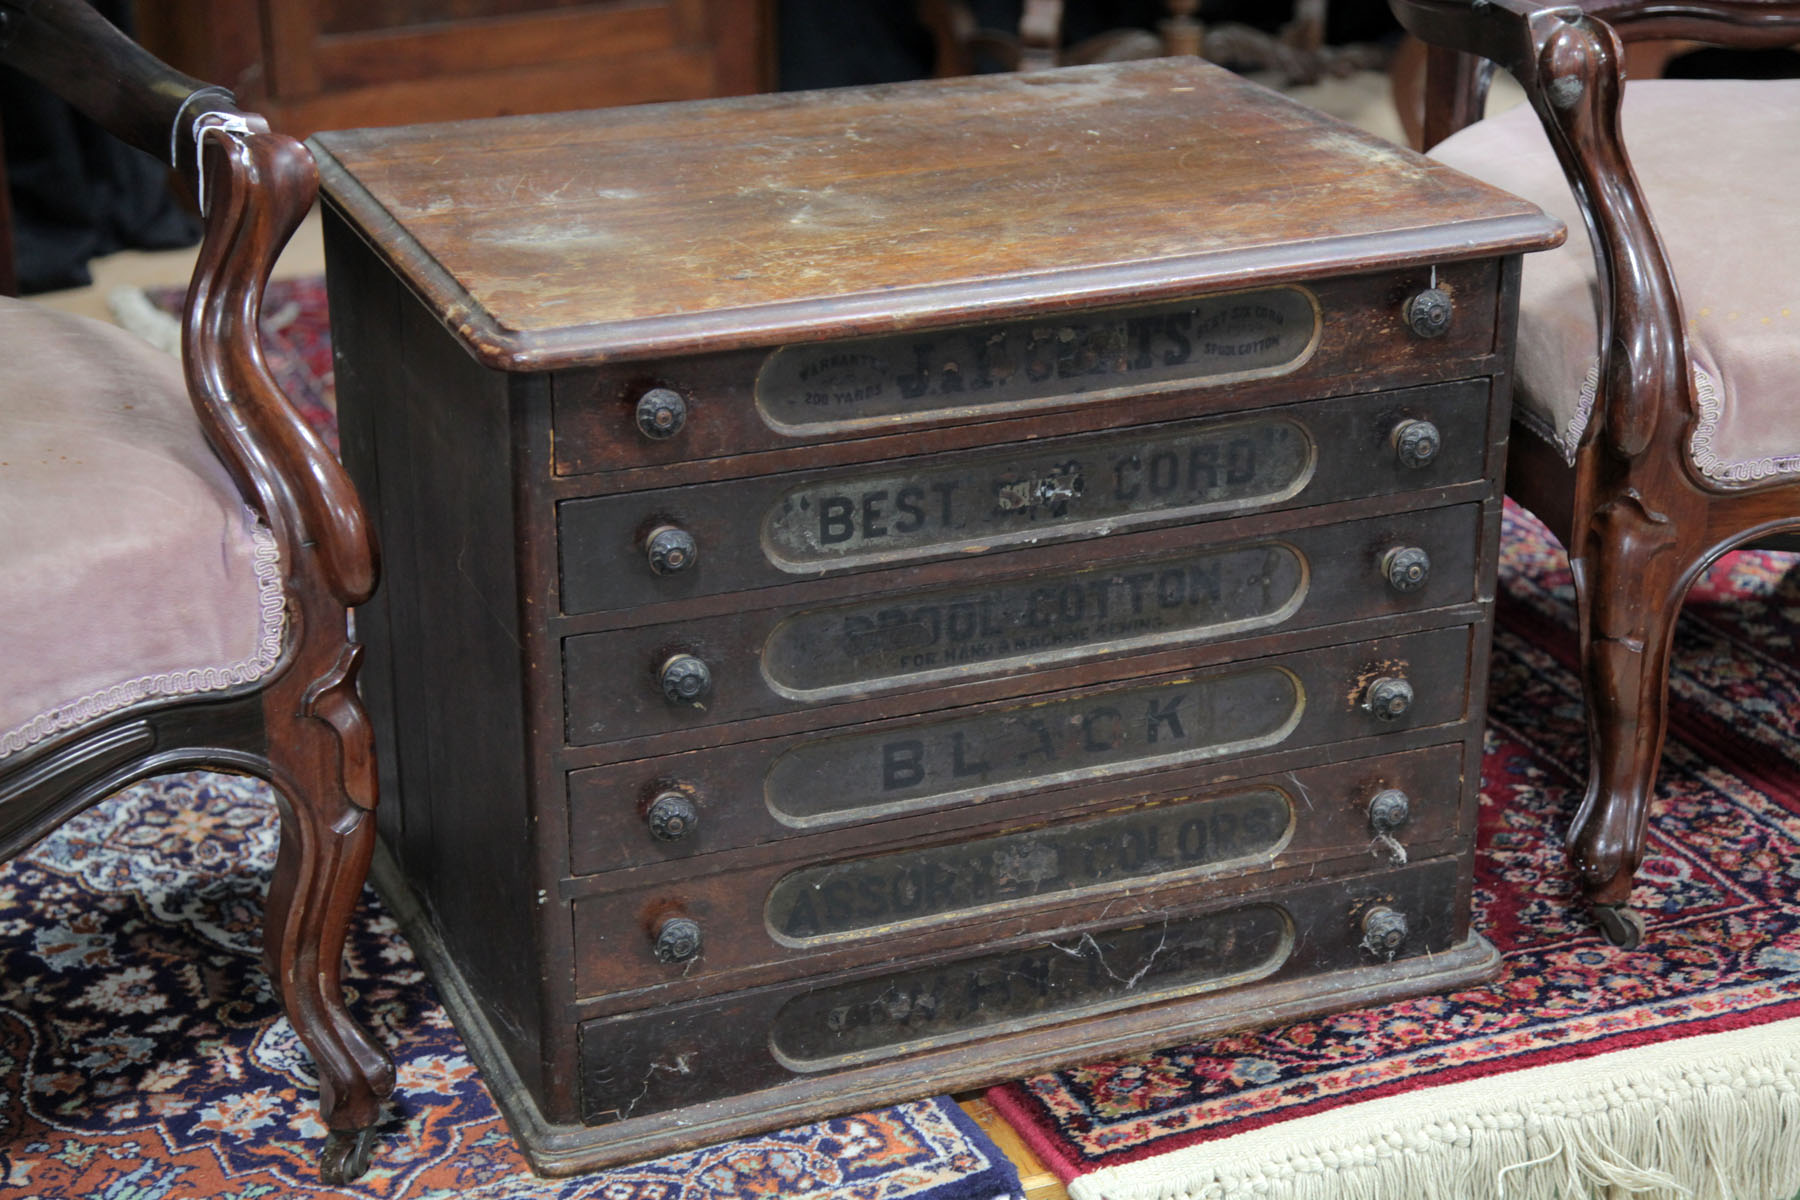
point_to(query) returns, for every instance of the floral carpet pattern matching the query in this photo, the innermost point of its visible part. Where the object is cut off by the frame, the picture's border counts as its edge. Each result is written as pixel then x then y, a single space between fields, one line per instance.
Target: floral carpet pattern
pixel 1720 885
pixel 143 1056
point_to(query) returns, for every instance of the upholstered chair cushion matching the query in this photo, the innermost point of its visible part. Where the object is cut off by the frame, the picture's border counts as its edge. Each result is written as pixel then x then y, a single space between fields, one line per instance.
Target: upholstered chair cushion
pixel 129 565
pixel 1719 161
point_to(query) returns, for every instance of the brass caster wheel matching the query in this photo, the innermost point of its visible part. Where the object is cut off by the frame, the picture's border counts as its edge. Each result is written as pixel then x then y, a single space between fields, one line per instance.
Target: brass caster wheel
pixel 346 1154
pixel 1620 925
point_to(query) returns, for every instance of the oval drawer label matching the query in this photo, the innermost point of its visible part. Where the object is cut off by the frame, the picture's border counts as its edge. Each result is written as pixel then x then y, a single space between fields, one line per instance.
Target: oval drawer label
pixel 1014 496
pixel 1033 622
pixel 912 887
pixel 1086 974
pixel 938 373
pixel 1008 750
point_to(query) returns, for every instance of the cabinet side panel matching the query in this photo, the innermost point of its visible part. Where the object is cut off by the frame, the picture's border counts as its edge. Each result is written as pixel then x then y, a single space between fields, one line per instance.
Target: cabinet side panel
pixel 478 878
pixel 365 299
pixel 431 431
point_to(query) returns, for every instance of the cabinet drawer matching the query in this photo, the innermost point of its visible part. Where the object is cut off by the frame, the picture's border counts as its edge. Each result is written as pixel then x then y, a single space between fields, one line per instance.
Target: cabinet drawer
pixel 757 533
pixel 624 683
pixel 1325 338
pixel 842 906
pixel 1023 990
pixel 754 792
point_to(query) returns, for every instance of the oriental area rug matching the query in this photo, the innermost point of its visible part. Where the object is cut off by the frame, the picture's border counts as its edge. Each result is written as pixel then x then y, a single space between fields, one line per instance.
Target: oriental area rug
pixel 1581 1071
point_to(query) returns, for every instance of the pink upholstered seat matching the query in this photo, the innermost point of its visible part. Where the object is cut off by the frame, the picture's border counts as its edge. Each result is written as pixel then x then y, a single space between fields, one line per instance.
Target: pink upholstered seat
pixel 1719 161
pixel 175 589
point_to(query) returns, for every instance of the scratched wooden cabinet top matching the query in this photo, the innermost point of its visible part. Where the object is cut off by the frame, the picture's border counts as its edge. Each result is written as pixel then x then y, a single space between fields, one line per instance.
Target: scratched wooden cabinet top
pixel 548 240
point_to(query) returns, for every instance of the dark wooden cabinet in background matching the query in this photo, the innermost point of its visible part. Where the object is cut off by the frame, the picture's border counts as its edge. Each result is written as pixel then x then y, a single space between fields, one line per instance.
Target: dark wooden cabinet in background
pixel 892 589
pixel 339 64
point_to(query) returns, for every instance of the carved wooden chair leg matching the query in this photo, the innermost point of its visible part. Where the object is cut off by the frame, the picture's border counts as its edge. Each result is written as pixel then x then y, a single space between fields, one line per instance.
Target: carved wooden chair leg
pixel 1629 586
pixel 320 746
pixel 1626 717
pixel 323 778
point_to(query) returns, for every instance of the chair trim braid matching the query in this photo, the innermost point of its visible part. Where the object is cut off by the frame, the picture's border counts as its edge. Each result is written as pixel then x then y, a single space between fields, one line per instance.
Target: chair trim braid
pixel 184 681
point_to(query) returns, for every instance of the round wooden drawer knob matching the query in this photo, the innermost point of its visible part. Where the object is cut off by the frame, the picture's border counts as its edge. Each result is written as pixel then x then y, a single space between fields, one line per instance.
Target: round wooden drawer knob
pixel 670 550
pixel 1389 698
pixel 1416 443
pixel 661 412
pixel 1406 568
pixel 685 681
pixel 677 940
pixel 1428 313
pixel 1384 931
pixel 1389 810
pixel 672 817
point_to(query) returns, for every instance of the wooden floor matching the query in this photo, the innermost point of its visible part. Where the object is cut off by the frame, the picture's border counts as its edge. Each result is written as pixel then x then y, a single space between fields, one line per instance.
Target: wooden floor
pixel 1040 1182
pixel 305 255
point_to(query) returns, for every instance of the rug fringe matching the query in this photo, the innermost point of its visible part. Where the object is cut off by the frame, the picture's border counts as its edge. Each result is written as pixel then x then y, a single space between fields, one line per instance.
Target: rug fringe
pixel 132 309
pixel 1714 1117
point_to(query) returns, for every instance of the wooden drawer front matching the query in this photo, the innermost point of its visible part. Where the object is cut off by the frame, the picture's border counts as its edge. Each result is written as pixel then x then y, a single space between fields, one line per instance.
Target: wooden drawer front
pixel 755 792
pixel 1322 338
pixel 782 660
pixel 757 1039
pixel 758 533
pixel 843 907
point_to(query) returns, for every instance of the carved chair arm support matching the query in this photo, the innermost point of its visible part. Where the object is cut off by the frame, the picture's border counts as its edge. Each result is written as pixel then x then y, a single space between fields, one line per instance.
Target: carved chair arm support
pixel 259 187
pixel 1571 66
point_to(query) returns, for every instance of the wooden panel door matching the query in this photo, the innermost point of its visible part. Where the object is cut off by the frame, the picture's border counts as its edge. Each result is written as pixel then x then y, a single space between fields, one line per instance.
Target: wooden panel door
pixel 335 64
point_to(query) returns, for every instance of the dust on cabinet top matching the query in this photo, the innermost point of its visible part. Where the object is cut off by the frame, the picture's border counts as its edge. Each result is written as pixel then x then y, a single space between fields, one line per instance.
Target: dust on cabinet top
pixel 544 241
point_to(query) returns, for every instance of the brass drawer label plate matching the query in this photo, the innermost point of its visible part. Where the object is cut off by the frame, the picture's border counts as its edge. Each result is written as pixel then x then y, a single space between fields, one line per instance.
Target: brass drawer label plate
pixel 1088 973
pixel 1007 750
pixel 1138 846
pixel 1044 619
pixel 1013 497
pixel 991 370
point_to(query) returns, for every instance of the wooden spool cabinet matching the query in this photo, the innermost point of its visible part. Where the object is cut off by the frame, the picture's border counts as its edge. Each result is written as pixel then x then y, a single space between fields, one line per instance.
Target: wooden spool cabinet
pixel 894 589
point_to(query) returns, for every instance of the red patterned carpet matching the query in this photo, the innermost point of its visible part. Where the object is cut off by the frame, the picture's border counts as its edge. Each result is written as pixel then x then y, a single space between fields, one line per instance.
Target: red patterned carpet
pixel 1721 886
